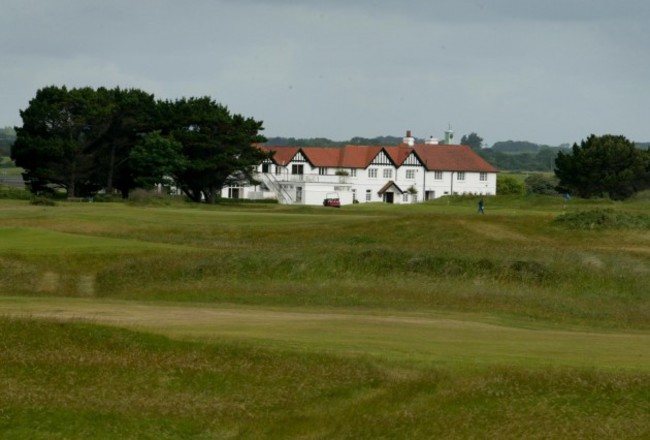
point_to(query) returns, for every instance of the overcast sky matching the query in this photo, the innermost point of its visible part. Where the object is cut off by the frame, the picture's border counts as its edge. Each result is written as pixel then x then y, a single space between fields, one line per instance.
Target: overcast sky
pixel 545 71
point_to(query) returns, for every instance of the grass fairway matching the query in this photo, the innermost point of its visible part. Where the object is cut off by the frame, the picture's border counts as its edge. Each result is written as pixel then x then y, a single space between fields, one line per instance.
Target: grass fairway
pixel 372 321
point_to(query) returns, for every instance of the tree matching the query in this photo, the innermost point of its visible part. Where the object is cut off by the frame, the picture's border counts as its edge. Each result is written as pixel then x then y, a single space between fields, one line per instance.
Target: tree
pixel 133 116
pixel 156 160
pixel 216 145
pixel 474 141
pixel 606 165
pixel 58 140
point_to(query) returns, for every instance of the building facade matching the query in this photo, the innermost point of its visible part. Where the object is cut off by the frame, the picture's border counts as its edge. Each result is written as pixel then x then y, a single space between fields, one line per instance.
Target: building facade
pixel 401 174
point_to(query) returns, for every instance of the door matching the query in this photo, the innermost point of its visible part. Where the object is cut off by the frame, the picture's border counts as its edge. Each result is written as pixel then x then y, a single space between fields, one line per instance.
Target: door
pixel 388 197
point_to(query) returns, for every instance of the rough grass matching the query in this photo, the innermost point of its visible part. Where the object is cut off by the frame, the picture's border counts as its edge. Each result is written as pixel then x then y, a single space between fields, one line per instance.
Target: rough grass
pixel 84 381
pixel 514 260
pixel 515 264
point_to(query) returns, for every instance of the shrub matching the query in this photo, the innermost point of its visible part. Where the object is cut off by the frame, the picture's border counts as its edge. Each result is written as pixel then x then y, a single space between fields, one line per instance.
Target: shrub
pixel 509 185
pixel 42 201
pixel 144 197
pixel 541 184
pixel 14 193
pixel 603 219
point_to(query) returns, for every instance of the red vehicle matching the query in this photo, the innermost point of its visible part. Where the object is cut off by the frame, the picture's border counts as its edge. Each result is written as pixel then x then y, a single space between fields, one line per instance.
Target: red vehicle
pixel 332 200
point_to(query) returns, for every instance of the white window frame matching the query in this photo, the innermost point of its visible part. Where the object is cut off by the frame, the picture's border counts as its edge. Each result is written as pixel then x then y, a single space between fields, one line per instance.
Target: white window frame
pixel 388 173
pixel 483 177
pixel 372 173
pixel 460 175
pixel 437 175
pixel 368 195
pixel 410 174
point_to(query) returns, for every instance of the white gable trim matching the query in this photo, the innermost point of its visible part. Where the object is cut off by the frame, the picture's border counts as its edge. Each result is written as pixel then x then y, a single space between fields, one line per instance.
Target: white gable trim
pixel 299 157
pixel 381 159
pixel 412 161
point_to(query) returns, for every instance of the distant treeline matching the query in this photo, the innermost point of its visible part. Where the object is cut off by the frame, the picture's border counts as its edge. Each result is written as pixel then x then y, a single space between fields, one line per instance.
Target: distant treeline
pixel 505 155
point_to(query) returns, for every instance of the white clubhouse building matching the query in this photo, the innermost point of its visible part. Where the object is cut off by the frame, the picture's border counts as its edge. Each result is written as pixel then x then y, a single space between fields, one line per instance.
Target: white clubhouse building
pixel 405 173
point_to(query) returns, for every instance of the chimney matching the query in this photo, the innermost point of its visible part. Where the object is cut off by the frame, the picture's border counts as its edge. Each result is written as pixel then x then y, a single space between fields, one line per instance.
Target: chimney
pixel 431 141
pixel 408 139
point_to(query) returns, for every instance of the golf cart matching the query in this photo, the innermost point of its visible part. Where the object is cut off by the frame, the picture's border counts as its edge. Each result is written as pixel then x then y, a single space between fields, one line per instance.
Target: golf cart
pixel 332 200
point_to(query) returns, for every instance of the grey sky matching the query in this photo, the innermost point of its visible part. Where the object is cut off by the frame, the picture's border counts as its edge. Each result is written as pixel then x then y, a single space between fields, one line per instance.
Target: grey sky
pixel 551 71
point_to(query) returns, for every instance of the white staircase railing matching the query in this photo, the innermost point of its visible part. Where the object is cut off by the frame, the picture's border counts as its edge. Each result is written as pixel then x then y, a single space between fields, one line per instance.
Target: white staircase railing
pixel 274 185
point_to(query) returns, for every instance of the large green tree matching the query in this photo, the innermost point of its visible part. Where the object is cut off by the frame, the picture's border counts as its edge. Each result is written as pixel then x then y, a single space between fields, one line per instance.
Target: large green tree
pixel 134 114
pixel 156 160
pixel 58 140
pixel 606 165
pixel 217 146
pixel 84 140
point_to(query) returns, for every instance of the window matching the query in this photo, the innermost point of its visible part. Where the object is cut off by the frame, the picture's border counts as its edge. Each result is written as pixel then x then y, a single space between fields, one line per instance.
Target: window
pixel 353 172
pixel 278 170
pixel 437 175
pixel 483 177
pixel 405 197
pixel 388 173
pixel 460 175
pixel 322 171
pixel 410 174
pixel 368 194
pixel 297 169
pixel 372 173
pixel 415 198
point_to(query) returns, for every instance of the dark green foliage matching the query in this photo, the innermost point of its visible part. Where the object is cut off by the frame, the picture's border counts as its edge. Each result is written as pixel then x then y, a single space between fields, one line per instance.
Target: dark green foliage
pixel 517 147
pixel 155 160
pixel 14 193
pixel 42 201
pixel 60 134
pixel 542 160
pixel 540 184
pixel 216 145
pixel 509 185
pixel 603 219
pixel 606 165
pixel 473 140
pixel 85 140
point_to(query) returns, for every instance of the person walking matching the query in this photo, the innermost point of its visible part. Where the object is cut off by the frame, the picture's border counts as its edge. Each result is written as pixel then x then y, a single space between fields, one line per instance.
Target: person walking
pixel 480 206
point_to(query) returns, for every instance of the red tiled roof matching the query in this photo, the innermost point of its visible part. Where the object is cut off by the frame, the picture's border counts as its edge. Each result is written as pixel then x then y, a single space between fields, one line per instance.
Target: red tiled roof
pixel 435 157
pixel 452 158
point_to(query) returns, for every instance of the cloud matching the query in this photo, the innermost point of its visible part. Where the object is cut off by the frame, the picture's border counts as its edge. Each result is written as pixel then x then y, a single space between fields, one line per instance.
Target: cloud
pixel 540 71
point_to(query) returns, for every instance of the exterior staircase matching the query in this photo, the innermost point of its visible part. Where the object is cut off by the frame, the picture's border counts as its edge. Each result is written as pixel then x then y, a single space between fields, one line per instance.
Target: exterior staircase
pixel 284 198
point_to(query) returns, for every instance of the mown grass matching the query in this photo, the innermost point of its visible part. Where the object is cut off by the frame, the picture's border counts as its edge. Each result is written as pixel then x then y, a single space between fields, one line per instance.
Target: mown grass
pixel 75 380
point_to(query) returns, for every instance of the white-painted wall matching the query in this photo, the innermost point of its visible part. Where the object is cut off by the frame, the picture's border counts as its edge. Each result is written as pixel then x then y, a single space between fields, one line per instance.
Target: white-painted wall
pixel 314 187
